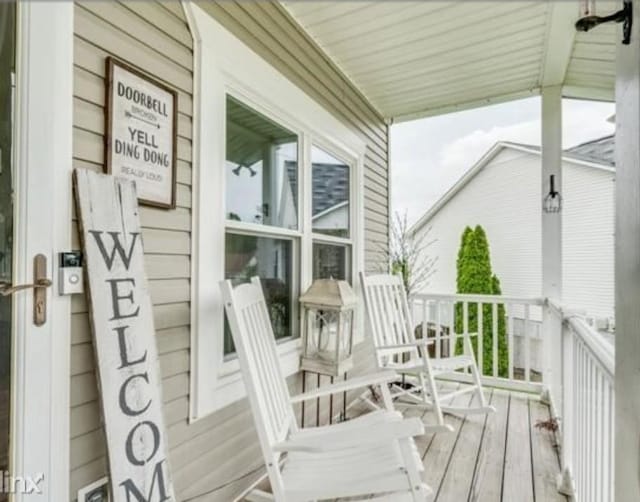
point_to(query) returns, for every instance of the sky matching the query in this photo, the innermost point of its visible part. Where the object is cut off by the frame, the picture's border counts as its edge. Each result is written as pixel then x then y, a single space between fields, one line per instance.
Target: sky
pixel 429 155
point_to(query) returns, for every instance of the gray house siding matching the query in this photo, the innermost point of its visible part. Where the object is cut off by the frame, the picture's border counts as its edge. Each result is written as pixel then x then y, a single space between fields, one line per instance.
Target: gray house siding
pixel 219 452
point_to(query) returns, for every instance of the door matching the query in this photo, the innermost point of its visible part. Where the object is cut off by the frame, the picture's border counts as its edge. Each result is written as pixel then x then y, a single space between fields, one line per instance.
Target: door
pixel 36 106
pixel 7 108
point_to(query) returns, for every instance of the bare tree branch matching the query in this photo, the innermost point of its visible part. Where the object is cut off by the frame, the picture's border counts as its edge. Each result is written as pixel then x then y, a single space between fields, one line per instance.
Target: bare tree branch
pixel 407 255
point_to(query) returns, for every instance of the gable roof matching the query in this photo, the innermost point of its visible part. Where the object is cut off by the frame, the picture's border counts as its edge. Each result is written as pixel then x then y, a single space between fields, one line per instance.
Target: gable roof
pixel 601 150
pixel 597 154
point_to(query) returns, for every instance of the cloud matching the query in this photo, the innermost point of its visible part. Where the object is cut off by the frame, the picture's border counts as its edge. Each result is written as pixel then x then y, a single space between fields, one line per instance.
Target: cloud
pixel 463 152
pixel 428 156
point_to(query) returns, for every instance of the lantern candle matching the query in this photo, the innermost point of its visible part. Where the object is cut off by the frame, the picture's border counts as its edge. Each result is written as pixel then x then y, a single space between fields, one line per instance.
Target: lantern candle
pixel 328 313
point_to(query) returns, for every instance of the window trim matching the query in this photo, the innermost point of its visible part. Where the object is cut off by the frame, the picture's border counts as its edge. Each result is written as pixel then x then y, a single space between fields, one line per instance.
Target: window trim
pixel 239 71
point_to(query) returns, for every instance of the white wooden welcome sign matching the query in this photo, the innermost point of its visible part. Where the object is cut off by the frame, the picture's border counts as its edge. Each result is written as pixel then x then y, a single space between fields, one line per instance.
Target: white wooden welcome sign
pixel 124 338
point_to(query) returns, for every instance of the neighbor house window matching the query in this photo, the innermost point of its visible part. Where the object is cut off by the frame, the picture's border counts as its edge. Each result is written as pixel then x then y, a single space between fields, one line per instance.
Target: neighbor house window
pixel 262 211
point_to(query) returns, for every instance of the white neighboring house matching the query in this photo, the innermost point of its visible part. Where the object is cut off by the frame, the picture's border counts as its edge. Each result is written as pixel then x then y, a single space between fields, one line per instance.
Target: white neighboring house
pixel 502 193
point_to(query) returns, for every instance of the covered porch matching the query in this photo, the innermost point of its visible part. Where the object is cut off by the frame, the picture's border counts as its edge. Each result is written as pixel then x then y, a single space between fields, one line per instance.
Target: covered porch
pixel 413 60
pixel 529 449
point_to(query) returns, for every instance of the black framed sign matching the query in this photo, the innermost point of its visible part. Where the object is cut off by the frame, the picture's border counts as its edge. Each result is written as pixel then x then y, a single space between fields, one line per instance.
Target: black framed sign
pixel 141 133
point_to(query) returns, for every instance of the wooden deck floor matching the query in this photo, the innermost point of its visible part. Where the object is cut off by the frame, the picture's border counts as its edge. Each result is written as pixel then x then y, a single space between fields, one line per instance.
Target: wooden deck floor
pixel 501 457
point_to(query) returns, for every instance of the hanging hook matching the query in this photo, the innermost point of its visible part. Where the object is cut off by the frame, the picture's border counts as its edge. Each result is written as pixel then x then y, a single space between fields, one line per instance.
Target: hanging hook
pixel 625 15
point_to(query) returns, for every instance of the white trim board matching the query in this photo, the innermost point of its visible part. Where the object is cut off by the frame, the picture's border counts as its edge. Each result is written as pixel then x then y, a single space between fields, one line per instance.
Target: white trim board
pixel 568 91
pixel 43 162
pixel 223 64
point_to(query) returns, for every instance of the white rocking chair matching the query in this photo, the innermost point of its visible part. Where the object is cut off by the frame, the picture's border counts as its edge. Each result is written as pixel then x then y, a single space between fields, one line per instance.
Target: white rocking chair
pixel 394 340
pixel 370 455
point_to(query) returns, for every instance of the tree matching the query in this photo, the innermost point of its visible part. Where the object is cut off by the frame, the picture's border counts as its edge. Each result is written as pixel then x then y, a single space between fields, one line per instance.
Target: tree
pixel 503 352
pixel 408 255
pixel 474 276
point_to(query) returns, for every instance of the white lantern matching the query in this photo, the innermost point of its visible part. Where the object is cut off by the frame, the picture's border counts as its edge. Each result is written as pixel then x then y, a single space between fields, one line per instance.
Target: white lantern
pixel 328 308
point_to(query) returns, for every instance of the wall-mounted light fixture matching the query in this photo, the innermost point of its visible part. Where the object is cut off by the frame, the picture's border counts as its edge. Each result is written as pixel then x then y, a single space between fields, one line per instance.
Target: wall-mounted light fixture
pixel 553 200
pixel 624 15
pixel 237 170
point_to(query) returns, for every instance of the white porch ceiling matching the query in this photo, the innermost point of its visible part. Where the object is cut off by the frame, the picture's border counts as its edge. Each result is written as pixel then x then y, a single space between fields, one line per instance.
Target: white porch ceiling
pixel 420 58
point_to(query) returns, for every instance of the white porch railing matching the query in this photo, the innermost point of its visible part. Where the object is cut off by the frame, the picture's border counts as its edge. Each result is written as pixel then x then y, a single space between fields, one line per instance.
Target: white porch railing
pixel 587 412
pixel 586 378
pixel 518 338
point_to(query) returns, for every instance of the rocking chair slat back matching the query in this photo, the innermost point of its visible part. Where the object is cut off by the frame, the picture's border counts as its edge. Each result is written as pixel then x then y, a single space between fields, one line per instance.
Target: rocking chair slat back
pixel 394 338
pixel 255 344
pixel 389 315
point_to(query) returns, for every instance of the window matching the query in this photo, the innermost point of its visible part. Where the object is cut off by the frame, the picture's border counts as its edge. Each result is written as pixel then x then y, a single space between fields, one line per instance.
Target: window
pixel 261 169
pixel 262 190
pixel 272 260
pixel 331 193
pixel 266 201
pixel 331 216
pixel 331 262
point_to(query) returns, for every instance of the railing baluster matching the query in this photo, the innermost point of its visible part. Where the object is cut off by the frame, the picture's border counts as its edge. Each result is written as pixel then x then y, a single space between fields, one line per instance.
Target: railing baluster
pixel 494 338
pixel 607 460
pixel 510 339
pixel 575 426
pixel 585 430
pixel 480 339
pixel 465 325
pixel 438 328
pixel 527 346
pixel 606 445
pixel 581 421
pixel 600 435
pixel 611 441
pixel 589 434
pixel 452 328
pixel 595 410
pixel 425 306
pixel 572 427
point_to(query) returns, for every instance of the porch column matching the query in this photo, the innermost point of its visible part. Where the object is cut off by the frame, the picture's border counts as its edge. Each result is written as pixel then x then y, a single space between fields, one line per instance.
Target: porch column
pixel 552 263
pixel 627 264
pixel 551 238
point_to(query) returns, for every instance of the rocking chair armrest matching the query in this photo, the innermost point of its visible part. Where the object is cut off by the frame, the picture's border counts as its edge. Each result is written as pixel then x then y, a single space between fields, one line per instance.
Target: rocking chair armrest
pixel 408 346
pixel 458 335
pixel 336 438
pixel 376 379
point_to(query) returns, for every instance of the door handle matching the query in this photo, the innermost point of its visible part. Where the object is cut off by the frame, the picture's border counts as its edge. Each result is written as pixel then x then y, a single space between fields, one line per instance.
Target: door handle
pixel 39 285
pixel 8 289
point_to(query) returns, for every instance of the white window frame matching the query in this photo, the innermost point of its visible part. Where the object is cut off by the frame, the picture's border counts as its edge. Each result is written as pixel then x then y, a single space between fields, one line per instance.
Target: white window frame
pixel 354 190
pixel 225 65
pixel 289 346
